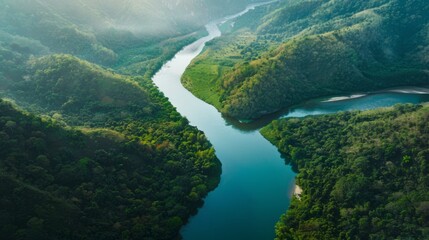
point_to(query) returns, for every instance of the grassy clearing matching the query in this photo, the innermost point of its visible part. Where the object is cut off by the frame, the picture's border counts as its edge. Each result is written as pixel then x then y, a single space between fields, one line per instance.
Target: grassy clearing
pixel 203 76
pixel 201 80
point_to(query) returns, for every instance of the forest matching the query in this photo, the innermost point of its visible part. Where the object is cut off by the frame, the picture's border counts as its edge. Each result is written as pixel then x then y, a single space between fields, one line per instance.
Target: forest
pixel 364 174
pixel 299 50
pixel 68 183
pixel 122 127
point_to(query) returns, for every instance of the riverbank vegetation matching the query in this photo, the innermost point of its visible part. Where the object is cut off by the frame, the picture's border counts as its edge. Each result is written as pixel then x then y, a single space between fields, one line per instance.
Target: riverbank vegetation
pixel 364 175
pixel 305 49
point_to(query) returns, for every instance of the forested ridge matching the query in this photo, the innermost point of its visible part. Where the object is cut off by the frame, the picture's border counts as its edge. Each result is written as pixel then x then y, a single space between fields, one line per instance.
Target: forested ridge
pixel 291 51
pixel 159 167
pixel 364 175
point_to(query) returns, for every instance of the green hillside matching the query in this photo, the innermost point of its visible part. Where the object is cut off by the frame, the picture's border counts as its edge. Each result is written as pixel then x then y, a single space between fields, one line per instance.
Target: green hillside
pixel 364 175
pixel 307 49
pixel 130 130
pixel 86 93
pixel 118 113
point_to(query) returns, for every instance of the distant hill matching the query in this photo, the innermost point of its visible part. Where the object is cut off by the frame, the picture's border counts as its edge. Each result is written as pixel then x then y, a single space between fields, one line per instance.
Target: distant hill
pixel 301 49
pixel 88 28
pixel 139 17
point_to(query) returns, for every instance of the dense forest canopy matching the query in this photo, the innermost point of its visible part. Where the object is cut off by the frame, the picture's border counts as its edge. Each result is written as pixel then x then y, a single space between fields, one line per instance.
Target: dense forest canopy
pixel 61 183
pixel 132 123
pixel 302 49
pixel 364 175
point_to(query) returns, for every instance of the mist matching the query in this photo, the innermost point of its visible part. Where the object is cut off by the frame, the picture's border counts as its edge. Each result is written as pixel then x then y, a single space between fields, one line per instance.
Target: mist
pixel 98 30
pixel 141 17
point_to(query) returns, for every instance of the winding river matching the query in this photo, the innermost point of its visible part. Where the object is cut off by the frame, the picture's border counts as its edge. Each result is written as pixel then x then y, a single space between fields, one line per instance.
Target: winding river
pixel 256 186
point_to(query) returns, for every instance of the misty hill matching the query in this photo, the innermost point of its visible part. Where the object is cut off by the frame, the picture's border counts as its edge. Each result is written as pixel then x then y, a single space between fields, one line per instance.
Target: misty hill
pixel 139 17
pixel 88 28
pixel 280 56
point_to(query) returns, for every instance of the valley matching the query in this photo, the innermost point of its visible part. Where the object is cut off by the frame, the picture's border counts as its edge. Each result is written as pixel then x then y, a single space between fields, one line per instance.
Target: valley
pixel 127 121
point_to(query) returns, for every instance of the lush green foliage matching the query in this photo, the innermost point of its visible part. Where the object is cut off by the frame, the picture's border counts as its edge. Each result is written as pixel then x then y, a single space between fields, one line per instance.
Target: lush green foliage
pixel 133 38
pixel 138 175
pixel 365 175
pixel 146 59
pixel 320 48
pixel 204 75
pixel 155 169
pixel 85 93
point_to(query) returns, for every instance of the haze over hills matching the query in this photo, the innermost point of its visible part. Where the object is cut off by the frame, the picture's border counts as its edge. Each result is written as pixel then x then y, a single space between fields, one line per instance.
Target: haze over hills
pixel 141 17
pixel 92 29
pixel 306 49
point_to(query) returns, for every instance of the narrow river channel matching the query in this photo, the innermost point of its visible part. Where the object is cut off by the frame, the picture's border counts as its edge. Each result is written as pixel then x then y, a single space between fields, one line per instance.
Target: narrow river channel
pixel 256 186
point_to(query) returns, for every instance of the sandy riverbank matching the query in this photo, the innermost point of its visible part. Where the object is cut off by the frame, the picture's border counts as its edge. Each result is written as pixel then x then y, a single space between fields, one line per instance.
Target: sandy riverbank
pixel 297 191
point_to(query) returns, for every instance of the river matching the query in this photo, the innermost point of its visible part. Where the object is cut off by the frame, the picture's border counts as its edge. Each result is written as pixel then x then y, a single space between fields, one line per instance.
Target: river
pixel 256 186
